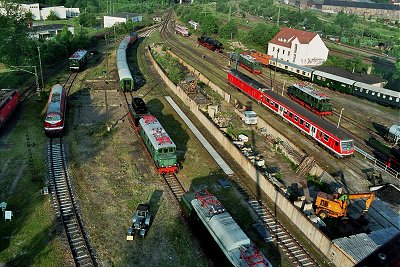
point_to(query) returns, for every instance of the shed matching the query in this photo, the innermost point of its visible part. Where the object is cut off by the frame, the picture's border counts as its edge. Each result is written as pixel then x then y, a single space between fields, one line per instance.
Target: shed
pixel 122 17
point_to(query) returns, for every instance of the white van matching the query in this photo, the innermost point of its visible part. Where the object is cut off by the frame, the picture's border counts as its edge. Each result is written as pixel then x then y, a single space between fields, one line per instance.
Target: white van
pixel 249 117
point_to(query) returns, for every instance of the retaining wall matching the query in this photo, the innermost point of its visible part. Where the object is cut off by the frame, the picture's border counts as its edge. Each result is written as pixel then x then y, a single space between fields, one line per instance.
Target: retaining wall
pixel 326 246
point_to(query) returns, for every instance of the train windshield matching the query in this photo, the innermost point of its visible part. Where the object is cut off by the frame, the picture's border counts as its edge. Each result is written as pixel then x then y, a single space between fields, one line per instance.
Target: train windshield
pixel 166 150
pixel 347 145
pixel 53 118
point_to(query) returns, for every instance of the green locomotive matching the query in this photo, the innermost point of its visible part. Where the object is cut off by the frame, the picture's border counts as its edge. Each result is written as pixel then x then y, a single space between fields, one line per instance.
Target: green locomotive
pixel 308 97
pixel 160 146
pixel 250 63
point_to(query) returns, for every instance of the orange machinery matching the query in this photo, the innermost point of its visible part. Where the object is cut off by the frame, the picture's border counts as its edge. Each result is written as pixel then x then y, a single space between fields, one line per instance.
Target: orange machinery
pixel 335 205
pixel 263 58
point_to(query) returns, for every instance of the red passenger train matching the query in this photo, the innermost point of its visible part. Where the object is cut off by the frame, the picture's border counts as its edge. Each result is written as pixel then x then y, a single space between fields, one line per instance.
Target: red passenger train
pixel 55 114
pixel 334 139
pixel 9 100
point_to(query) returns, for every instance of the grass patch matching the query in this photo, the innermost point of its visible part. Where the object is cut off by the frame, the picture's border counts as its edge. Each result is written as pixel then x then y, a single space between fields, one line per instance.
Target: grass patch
pixel 30 238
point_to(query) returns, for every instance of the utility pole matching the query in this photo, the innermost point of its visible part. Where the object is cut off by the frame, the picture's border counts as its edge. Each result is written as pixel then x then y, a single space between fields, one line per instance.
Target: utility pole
pixel 40 64
pixel 340 116
pixel 279 12
pixel 230 9
pixel 105 38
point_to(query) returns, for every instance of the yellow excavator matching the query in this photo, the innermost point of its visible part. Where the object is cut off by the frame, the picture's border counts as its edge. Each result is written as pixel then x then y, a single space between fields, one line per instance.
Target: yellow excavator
pixel 335 205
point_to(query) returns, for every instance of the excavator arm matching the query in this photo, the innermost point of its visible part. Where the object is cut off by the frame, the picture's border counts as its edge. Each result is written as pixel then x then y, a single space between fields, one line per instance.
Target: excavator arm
pixel 369 196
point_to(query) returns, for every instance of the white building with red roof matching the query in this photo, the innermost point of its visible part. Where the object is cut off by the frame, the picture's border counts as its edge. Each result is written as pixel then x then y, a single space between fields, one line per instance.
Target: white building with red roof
pixel 298 47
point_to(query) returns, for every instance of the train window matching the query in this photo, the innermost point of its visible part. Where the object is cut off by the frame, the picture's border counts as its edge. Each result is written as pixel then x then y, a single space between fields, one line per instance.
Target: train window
pixel 373 93
pixel 336 143
pixel 304 73
pixel 272 102
pixel 390 98
pixel 320 134
pixel 285 112
pixel 366 91
pixel 267 100
pixel 301 121
pixel 326 137
pixel 291 115
pixel 361 90
pixel 383 96
pixel 295 118
pixel 276 105
pixel 379 95
pixel 397 99
pixel 307 125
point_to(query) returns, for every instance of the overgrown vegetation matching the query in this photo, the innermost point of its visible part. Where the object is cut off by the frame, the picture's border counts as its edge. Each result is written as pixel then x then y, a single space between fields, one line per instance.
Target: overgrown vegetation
pixel 175 70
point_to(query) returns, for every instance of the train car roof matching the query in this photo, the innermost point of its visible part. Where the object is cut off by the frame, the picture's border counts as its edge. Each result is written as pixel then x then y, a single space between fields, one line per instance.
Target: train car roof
pixel 249 58
pixel 158 137
pixel 55 98
pixel 377 89
pixel 78 54
pixel 307 69
pixel 181 27
pixel 311 91
pixel 333 77
pixel 305 113
pixel 5 95
pixel 124 74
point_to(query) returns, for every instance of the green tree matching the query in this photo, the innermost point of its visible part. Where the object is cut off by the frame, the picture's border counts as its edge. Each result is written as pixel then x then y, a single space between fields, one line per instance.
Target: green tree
pixel 87 19
pixel 52 16
pixel 209 24
pixel 345 21
pixel 262 33
pixel 228 30
pixel 14 45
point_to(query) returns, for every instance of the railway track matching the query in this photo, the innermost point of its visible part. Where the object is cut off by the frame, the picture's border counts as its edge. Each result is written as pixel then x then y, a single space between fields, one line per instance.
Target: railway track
pixel 65 202
pixel 288 243
pixel 174 185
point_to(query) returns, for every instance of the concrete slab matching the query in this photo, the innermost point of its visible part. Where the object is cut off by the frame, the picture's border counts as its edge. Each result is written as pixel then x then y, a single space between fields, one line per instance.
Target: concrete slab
pixel 202 139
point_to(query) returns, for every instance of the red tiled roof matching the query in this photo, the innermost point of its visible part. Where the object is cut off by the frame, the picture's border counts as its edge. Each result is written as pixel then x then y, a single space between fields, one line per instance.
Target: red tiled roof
pixel 290 34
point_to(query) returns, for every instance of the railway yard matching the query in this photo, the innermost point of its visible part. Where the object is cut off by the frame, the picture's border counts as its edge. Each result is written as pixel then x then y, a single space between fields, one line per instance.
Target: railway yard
pixel 100 170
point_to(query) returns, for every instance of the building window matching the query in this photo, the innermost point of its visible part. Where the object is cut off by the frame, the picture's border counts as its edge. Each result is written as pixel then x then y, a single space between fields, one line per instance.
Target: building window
pixel 283 52
pixel 295 48
pixel 294 57
pixel 273 48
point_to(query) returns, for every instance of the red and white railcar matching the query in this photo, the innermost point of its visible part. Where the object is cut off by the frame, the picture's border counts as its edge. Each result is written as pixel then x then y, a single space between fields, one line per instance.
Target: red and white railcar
pixel 56 106
pixel 9 100
pixel 334 139
pixel 181 30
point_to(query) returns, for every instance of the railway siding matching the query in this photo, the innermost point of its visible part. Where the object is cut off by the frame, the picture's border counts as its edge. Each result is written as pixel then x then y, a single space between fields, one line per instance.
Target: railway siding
pixel 327 247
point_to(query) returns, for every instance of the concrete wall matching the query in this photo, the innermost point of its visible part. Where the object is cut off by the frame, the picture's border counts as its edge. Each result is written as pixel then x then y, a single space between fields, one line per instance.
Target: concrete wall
pixel 328 248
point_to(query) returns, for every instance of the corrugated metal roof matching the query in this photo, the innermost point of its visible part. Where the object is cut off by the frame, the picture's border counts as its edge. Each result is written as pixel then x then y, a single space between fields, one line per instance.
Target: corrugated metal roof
pixel 357 246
